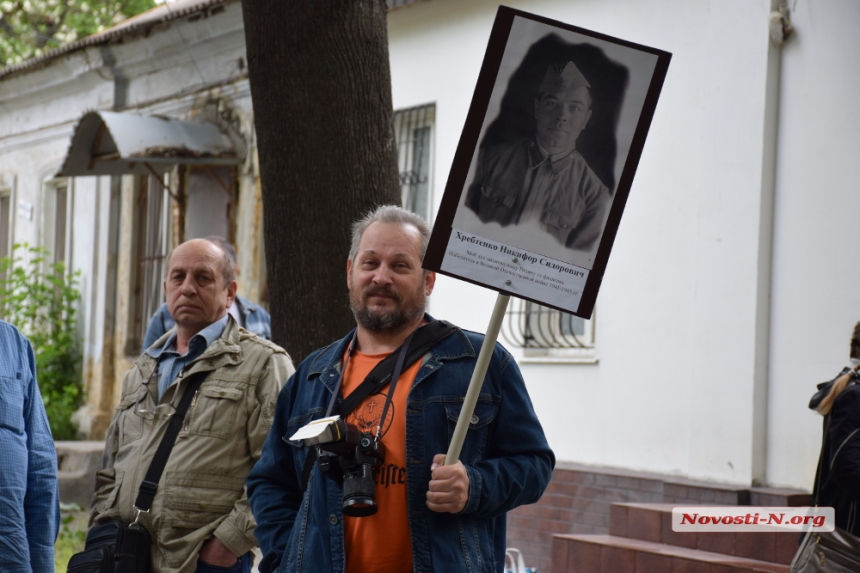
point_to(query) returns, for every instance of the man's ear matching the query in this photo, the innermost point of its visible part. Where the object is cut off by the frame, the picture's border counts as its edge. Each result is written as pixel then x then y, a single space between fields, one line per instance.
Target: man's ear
pixel 231 293
pixel 429 282
pixel 348 271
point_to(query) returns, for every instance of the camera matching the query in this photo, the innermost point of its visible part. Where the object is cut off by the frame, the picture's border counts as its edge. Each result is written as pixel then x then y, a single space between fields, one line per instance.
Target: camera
pixel 348 455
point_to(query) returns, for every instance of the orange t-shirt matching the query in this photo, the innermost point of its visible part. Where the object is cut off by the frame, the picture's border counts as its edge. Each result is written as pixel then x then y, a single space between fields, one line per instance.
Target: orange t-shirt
pixel 381 543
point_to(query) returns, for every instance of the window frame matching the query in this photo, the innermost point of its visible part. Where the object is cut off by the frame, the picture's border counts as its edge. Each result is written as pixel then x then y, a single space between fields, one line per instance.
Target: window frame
pixel 406 122
pixel 538 332
pixel 50 224
pixel 7 190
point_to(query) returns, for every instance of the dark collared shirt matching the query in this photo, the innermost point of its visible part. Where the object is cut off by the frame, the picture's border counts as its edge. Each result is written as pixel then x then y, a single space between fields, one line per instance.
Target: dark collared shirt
pixel 170 362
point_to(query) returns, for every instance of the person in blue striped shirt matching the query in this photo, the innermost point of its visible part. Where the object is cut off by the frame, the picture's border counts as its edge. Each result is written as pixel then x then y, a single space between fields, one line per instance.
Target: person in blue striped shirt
pixel 29 493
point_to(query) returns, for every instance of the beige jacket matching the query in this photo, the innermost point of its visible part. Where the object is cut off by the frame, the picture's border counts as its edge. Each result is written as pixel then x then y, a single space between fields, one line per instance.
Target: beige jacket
pixel 202 490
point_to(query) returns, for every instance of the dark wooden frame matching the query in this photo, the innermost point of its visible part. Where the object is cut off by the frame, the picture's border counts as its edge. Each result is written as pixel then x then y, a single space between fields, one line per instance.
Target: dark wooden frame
pixel 469 140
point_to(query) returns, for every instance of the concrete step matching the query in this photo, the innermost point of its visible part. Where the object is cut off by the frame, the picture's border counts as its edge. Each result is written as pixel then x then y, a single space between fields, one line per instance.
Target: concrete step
pixel 78 463
pixel 612 554
pixel 653 522
pixel 779 497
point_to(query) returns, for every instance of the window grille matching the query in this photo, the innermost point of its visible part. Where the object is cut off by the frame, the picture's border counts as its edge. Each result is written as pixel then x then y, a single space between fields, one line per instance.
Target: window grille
pixel 152 240
pixel 392 4
pixel 530 325
pixel 5 228
pixel 61 196
pixel 55 221
pixel 413 129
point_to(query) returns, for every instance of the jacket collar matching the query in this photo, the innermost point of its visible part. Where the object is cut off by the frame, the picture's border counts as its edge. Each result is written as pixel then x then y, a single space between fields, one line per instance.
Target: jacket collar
pixel 558 163
pixel 245 305
pixel 327 363
pixel 223 351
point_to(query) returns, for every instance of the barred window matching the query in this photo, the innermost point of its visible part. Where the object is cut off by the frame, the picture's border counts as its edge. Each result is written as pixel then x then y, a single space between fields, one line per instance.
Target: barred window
pixel 392 4
pixel 5 227
pixel 413 128
pixel 152 241
pixel 55 219
pixel 548 333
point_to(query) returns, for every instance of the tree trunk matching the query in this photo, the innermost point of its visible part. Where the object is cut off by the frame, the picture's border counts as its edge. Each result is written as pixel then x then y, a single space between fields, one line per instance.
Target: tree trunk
pixel 321 88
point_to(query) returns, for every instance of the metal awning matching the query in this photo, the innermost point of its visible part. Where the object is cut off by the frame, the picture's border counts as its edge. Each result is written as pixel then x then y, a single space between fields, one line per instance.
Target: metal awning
pixel 110 143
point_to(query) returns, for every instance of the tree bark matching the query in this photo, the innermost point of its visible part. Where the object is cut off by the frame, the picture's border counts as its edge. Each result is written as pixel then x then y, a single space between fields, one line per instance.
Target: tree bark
pixel 321 89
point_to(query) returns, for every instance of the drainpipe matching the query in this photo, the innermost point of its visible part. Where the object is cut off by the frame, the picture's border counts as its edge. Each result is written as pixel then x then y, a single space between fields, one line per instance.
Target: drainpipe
pixel 779 26
pixel 120 82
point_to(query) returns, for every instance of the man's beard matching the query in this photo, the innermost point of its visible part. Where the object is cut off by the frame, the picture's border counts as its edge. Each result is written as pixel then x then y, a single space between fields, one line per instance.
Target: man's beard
pixel 384 320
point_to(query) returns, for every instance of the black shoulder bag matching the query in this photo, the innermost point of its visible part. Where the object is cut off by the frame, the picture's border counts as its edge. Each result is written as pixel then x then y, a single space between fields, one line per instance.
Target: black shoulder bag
pixel 117 547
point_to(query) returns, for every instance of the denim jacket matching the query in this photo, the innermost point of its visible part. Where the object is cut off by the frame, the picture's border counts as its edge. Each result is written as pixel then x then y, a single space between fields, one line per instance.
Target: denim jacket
pixel 506 455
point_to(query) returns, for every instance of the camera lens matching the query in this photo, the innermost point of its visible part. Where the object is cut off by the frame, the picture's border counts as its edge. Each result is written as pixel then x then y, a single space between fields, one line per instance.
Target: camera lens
pixel 358 492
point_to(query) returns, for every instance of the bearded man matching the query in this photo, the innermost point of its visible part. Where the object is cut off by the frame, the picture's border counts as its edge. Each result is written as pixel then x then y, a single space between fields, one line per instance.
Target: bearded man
pixel 379 499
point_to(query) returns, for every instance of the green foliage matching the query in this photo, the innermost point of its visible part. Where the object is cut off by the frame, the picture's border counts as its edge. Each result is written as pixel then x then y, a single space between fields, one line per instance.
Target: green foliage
pixel 73 533
pixel 29 28
pixel 41 303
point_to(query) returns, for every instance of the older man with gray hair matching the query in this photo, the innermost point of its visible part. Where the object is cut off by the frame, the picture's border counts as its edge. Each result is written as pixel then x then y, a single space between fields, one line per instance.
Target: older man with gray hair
pixel 199 518
pixel 248 315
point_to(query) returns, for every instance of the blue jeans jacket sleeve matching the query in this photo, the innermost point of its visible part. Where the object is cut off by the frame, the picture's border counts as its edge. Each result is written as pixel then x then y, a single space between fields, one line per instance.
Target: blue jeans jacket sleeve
pixel 274 491
pixel 518 463
pixel 29 506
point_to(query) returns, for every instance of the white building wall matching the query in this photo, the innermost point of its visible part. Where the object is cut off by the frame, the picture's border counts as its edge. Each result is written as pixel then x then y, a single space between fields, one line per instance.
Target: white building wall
pixel 678 312
pixel 816 254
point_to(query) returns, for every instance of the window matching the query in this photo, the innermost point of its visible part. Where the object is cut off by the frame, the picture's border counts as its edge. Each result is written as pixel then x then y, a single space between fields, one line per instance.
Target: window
pixel 55 220
pixel 5 227
pixel 392 4
pixel 546 334
pixel 413 128
pixel 152 238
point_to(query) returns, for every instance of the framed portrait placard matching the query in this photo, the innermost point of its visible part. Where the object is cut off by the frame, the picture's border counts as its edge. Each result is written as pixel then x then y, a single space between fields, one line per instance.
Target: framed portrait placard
pixel 546 160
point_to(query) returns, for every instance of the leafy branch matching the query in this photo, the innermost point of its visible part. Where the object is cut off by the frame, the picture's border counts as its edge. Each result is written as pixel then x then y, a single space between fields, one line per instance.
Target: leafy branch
pixel 41 300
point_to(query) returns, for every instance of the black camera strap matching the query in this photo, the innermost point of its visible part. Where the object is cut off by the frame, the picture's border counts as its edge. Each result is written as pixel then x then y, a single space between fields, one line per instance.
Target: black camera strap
pixel 398 369
pixel 417 345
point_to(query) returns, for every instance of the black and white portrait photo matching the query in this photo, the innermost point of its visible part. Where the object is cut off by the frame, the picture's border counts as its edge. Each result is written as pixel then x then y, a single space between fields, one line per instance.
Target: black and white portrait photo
pixel 551 143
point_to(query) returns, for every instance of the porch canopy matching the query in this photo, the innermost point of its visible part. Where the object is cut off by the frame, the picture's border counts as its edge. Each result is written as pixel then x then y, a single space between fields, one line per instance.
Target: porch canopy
pixel 110 143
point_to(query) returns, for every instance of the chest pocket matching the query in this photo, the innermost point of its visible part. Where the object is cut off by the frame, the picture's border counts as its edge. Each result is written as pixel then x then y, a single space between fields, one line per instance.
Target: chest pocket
pixel 561 217
pixel 297 422
pixel 130 424
pixel 498 196
pixel 480 425
pixel 216 409
pixel 12 405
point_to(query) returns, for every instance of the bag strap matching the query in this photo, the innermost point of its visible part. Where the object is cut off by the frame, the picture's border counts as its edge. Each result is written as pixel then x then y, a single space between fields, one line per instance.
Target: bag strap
pixel 149 486
pixel 422 340
pixel 816 491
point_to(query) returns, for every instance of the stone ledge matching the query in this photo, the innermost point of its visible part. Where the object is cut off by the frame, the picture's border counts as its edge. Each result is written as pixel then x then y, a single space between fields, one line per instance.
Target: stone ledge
pixel 77 464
